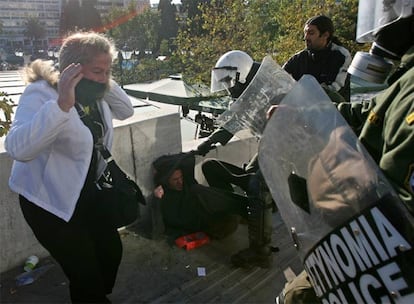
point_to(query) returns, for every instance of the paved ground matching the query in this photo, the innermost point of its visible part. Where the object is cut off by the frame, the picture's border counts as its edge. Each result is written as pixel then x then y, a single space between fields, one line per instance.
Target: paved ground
pixel 152 271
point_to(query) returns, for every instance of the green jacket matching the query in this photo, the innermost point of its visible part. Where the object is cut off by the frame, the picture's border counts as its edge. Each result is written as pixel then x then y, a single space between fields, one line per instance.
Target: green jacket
pixel 386 128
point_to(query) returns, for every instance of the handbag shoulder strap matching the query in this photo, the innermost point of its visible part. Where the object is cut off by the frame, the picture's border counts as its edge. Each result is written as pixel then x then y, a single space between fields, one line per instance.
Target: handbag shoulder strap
pixel 98 145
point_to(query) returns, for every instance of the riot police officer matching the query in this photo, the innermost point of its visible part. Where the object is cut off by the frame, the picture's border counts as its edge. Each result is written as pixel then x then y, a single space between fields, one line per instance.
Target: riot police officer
pixel 385 124
pixel 233 72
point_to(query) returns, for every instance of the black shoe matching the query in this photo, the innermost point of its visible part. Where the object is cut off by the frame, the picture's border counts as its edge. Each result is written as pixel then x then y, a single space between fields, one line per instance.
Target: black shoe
pixel 252 257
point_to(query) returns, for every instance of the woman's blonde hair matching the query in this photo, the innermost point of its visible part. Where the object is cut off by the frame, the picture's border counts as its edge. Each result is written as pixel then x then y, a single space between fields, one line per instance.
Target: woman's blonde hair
pixel 81 47
pixel 41 69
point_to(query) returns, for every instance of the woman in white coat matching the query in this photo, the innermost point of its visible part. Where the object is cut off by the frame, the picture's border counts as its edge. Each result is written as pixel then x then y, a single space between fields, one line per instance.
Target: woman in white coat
pixel 56 169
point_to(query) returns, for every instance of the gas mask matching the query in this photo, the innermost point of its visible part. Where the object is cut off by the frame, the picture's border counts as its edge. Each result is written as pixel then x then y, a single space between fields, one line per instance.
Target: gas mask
pixel 370 67
pixel 238 88
pixel 88 91
pixel 389 24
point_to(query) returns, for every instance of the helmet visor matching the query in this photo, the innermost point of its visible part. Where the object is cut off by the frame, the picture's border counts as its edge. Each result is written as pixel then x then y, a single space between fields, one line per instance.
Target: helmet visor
pixel 223 78
pixel 374 15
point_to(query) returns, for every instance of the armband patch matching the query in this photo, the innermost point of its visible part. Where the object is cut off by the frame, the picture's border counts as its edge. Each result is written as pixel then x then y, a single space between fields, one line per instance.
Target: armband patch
pixel 410 119
pixel 409 181
pixel 373 118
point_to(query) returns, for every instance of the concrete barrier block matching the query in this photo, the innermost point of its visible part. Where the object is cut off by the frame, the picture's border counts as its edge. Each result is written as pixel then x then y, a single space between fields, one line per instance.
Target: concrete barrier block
pixel 16 238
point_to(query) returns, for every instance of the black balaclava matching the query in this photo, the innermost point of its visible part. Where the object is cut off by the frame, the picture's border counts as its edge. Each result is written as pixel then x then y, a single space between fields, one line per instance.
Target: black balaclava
pixel 88 91
pixel 239 87
pixel 395 39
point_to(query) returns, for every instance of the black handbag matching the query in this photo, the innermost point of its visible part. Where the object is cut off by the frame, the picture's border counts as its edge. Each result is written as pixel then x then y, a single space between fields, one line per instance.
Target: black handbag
pixel 119 196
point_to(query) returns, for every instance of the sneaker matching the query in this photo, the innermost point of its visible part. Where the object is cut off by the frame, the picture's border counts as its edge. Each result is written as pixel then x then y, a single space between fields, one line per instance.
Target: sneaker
pixel 252 257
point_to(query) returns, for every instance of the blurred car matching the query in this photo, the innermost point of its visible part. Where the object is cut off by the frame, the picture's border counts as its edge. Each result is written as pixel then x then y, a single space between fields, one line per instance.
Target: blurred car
pixel 4 66
pixel 39 54
pixel 15 60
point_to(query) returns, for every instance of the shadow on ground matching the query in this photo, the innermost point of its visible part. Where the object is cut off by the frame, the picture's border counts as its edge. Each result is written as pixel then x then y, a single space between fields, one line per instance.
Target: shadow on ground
pixel 152 271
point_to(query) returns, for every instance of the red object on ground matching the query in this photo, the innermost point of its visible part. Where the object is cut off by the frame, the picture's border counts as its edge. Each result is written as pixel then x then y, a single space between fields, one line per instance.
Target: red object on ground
pixel 193 240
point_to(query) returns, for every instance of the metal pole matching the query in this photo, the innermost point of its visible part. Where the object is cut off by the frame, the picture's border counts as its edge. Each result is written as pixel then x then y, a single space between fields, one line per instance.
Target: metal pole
pixel 120 60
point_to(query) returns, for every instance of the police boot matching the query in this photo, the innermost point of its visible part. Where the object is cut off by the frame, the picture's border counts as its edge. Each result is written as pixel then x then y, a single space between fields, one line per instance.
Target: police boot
pixel 259 252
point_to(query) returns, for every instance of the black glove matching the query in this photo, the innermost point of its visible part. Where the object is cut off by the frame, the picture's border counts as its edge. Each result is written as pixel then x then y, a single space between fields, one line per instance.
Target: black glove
pixel 205 147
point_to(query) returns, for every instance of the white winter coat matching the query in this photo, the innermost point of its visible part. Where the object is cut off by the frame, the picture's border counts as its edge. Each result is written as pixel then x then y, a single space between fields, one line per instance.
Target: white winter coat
pixel 52 149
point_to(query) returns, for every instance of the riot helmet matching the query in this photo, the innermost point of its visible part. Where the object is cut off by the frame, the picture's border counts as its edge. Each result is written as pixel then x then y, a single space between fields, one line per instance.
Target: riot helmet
pixel 233 72
pixel 389 24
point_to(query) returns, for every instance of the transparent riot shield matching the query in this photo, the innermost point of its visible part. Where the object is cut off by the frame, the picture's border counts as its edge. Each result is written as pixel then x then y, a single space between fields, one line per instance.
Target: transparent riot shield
pixel 353 233
pixel 270 84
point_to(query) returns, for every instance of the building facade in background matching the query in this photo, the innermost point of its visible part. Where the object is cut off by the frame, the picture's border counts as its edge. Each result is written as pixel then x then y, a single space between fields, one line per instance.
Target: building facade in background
pixel 15 13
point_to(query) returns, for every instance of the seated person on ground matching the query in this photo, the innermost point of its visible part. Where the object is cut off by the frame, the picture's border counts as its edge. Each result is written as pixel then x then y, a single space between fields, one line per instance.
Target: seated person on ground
pixel 187 207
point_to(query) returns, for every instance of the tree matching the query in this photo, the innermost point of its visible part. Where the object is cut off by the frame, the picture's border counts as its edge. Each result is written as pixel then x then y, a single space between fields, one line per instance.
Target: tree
pixel 89 15
pixel 223 29
pixel 164 48
pixel 292 15
pixel 259 27
pixel 213 27
pixel 139 33
pixel 79 17
pixel 34 30
pixel 169 24
pixel 194 21
pixel 70 18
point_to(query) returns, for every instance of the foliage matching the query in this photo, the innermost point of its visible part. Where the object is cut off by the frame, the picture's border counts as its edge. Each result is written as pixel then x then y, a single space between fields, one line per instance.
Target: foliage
pixel 194 15
pixel 148 69
pixel 222 30
pixel 69 20
pixel 6 108
pixel 151 69
pixel 139 33
pixel 169 24
pixel 77 17
pixel 259 27
pixel 291 23
pixel 164 47
pixel 34 30
pixel 91 19
pixel 209 28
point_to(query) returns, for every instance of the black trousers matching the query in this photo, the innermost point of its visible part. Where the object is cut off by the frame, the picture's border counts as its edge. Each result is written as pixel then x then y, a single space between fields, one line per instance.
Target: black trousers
pixel 216 202
pixel 223 175
pixel 88 250
pixel 218 209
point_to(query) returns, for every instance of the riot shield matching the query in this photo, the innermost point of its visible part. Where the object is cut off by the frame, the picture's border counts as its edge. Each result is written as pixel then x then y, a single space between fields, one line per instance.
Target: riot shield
pixel 270 84
pixel 352 232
